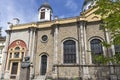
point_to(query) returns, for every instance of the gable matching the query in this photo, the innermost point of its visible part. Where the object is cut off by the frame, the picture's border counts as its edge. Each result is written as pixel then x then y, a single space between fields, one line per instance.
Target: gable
pixel 90 16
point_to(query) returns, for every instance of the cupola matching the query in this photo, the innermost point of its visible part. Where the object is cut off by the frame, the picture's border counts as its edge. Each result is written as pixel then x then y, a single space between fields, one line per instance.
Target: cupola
pixel 45 12
pixel 88 4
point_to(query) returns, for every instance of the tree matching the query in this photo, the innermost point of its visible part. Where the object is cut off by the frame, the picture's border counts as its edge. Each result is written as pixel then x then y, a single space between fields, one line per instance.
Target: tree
pixel 110 17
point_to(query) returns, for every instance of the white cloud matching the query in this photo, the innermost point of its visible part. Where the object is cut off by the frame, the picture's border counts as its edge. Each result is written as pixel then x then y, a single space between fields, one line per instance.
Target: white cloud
pixel 22 9
pixel 27 10
pixel 71 4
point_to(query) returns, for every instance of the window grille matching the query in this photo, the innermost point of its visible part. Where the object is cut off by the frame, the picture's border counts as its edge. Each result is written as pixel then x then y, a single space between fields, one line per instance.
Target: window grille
pixel 96 46
pixel 69 51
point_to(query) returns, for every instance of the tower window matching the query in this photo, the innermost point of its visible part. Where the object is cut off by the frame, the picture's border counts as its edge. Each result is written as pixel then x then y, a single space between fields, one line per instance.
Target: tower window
pixel 42 9
pixel 42 15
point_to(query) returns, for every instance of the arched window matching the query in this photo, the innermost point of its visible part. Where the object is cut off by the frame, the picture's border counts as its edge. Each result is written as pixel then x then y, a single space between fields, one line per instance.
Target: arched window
pixel 117 48
pixel 96 46
pixel 42 14
pixel 96 49
pixel 17 48
pixel 69 48
pixel 43 64
pixel 16 54
pixel 116 45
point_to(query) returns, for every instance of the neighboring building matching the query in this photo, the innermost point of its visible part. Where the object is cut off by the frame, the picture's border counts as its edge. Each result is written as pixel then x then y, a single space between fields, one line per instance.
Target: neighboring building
pixel 2 44
pixel 59 48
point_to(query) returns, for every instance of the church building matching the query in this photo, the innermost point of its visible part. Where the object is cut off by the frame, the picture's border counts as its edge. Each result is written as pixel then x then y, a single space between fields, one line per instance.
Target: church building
pixel 59 49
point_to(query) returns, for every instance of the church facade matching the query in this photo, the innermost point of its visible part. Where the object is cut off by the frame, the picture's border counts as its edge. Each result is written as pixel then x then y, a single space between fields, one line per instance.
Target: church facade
pixel 59 48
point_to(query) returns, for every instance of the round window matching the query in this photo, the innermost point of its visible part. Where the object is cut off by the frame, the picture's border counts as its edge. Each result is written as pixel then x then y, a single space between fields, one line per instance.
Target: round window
pixel 44 38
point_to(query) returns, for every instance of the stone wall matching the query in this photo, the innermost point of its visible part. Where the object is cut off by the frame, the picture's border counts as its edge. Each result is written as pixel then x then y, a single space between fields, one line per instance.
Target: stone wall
pixel 95 72
pixel 104 72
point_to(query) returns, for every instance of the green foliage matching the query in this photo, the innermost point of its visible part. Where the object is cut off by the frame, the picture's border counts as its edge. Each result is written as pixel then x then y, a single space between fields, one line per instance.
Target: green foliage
pixel 105 44
pixel 75 79
pixel 116 58
pixel 100 59
pixel 110 16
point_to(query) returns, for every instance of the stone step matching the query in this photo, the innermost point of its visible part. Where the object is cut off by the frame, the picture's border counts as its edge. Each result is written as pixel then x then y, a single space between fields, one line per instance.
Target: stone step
pixel 40 78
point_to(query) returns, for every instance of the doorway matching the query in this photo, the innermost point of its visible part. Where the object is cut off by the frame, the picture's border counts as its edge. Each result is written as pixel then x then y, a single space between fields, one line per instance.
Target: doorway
pixel 14 70
pixel 43 64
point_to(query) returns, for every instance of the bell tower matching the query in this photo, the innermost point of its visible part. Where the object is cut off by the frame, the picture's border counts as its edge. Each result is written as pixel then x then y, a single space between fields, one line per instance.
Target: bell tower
pixel 45 12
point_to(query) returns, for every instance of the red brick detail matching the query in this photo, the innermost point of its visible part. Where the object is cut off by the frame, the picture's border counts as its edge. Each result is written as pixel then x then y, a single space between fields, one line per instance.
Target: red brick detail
pixel 17 43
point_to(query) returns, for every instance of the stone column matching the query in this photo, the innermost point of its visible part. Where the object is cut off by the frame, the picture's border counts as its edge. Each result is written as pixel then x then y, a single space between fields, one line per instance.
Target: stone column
pixel 5 54
pixel 110 54
pixel 55 49
pixel 30 41
pixel 108 41
pixel 33 46
pixel 82 43
pixel 33 53
pixel 56 44
pixel 31 50
pixel 83 49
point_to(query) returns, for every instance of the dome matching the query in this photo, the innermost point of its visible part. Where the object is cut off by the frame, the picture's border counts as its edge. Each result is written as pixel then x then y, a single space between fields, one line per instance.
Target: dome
pixel 46 5
pixel 87 4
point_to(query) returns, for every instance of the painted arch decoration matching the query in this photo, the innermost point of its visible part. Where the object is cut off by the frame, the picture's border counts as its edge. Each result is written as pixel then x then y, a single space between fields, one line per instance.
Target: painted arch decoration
pixel 16 52
pixel 18 43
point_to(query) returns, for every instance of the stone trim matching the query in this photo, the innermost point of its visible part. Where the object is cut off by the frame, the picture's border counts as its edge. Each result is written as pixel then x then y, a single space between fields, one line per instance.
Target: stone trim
pixel 77 65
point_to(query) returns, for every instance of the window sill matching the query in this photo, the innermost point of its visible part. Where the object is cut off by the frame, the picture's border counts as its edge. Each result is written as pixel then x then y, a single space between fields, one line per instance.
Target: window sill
pixel 13 59
pixel 67 65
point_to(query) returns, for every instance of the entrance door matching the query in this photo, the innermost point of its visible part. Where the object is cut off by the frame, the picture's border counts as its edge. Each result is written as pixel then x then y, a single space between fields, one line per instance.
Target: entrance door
pixel 43 64
pixel 14 70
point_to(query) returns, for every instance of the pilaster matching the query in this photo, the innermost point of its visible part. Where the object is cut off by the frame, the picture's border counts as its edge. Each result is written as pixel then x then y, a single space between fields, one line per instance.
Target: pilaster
pixel 82 43
pixel 32 49
pixel 5 53
pixel 30 41
pixel 85 73
pixel 55 49
pixel 109 50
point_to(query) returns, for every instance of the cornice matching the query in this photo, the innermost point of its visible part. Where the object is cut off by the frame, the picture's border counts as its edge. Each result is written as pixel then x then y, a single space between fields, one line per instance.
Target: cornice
pixel 87 16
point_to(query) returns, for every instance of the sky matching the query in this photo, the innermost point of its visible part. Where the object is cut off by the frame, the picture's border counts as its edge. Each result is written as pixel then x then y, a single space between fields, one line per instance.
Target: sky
pixel 27 10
